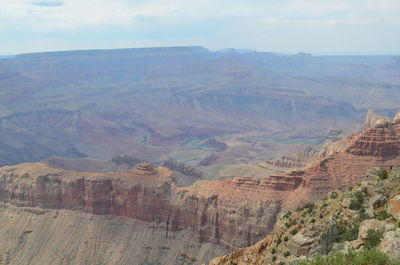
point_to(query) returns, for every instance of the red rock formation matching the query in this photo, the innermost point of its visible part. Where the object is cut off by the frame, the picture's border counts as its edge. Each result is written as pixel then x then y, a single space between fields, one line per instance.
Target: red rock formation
pixel 235 213
pixel 147 194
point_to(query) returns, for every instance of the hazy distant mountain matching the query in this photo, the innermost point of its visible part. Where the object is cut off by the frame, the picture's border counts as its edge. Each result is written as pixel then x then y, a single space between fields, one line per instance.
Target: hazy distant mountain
pixel 163 103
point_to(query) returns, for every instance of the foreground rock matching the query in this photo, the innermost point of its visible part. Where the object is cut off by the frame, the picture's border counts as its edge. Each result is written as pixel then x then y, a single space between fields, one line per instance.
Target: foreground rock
pixel 330 225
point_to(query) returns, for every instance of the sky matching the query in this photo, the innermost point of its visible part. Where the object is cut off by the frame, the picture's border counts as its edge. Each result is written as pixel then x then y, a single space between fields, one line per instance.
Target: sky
pixel 285 26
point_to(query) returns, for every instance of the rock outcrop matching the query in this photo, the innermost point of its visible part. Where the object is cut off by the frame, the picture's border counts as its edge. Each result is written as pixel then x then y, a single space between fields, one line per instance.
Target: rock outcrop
pixel 211 209
pixel 329 226
pixel 233 213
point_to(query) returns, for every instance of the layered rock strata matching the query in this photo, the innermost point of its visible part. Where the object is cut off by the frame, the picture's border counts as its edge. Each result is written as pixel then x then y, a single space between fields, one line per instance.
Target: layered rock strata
pixel 211 209
pixel 233 213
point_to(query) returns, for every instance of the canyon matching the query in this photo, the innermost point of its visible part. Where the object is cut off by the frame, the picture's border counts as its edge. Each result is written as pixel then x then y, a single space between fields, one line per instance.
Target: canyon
pixel 185 104
pixel 213 215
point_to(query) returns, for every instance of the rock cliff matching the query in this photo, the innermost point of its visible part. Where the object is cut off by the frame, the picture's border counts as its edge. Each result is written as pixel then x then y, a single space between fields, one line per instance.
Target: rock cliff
pixel 340 222
pixel 233 213
pixel 210 209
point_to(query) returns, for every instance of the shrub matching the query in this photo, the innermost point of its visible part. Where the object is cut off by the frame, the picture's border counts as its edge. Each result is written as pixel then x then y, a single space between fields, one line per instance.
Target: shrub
pixel 287 215
pixel 286 254
pixel 383 174
pixel 334 195
pixel 290 223
pixel 382 215
pixel 273 258
pixel 374 237
pixel 362 215
pixel 349 234
pixel 365 257
pixel 293 232
pixel 285 239
pixel 310 207
pixel 273 251
pixel 357 201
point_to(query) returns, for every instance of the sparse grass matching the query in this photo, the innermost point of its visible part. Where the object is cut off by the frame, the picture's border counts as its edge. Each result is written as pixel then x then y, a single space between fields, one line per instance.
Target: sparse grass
pixel 334 195
pixel 382 174
pixel 357 201
pixel 366 257
pixel 374 237
pixel 382 215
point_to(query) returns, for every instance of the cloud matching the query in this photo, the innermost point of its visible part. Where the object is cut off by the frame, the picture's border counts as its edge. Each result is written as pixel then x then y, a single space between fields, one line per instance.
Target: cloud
pixel 257 24
pixel 54 3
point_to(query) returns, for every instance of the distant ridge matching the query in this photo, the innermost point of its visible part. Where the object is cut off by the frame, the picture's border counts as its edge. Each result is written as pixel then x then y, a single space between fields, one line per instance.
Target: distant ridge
pixel 198 49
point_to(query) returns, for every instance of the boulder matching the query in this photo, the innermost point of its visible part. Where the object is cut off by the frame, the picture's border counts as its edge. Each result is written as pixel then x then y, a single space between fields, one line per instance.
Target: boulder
pixel 370 224
pixel 393 207
pixel 377 201
pixel 300 244
pixel 396 119
pixel 382 123
pixel 391 244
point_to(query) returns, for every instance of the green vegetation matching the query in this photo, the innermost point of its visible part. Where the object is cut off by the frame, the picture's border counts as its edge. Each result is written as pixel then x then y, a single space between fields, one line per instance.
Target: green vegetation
pixel 334 195
pixel 290 223
pixel 374 237
pixel 357 201
pixel 286 254
pixel 366 257
pixel 310 207
pixel 382 174
pixel 287 215
pixel 345 233
pixel 382 215
pixel 293 232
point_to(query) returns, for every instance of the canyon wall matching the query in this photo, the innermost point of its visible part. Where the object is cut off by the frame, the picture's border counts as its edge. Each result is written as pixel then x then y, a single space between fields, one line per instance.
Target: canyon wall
pixel 150 195
pixel 231 213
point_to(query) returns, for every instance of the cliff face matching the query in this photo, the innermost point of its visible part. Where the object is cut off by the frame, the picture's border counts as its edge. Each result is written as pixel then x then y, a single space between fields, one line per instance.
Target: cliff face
pixel 148 194
pixel 338 222
pixel 65 237
pixel 232 213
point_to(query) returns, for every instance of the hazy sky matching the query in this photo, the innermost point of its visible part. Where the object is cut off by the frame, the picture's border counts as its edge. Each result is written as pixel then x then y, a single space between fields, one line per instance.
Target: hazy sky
pixel 289 26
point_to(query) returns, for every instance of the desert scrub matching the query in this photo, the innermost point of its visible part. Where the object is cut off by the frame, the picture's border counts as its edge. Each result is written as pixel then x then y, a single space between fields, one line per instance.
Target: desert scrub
pixel 382 215
pixel 357 201
pixel 365 257
pixel 334 195
pixel 374 237
pixel 382 174
pixel 287 215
